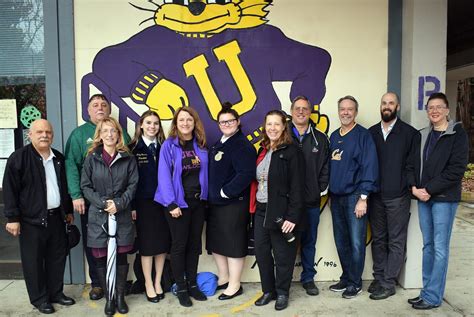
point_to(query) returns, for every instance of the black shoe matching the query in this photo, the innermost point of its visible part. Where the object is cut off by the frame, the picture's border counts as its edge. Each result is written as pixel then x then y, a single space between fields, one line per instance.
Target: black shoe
pixel 154 299
pixel 265 299
pixel 45 308
pixel 63 300
pixel 223 286
pixel 382 293
pixel 161 296
pixel 184 299
pixel 339 287
pixel 373 286
pixel 351 292
pixel 196 293
pixel 414 300
pixel 281 302
pixel 311 288
pixel 96 293
pixel 423 305
pixel 224 296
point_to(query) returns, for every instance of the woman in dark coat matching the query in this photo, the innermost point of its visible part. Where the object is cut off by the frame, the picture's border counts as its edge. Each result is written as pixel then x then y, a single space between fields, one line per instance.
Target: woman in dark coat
pixel 231 170
pixel 436 182
pixel 152 228
pixel 109 180
pixel 278 202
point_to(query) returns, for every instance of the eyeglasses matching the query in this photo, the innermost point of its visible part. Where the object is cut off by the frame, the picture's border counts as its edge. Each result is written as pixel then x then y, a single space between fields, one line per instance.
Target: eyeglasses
pixel 227 123
pixel 107 131
pixel 437 107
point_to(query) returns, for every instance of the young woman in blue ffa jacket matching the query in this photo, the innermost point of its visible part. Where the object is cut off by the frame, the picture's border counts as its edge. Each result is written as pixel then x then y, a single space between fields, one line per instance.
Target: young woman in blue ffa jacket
pixel 152 229
pixel 277 198
pixel 231 170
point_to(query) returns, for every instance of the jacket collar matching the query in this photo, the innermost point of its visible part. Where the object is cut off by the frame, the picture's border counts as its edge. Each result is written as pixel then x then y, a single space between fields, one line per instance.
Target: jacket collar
pixel 98 153
pixel 396 127
pixel 449 130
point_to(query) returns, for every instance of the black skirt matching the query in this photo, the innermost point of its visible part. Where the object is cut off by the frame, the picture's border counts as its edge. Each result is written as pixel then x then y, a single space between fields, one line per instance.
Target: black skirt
pixel 152 229
pixel 227 229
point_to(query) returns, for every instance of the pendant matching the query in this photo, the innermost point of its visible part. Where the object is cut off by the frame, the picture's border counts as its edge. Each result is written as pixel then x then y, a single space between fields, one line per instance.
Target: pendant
pixel 218 156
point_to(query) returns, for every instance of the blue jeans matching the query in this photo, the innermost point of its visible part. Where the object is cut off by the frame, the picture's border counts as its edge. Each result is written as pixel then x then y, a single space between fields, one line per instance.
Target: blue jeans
pixel 350 234
pixel 436 224
pixel 308 245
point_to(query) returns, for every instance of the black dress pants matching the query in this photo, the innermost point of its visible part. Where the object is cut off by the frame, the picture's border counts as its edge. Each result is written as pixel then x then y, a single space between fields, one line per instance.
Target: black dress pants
pixel 389 223
pixel 43 258
pixel 276 270
pixel 186 244
pixel 88 251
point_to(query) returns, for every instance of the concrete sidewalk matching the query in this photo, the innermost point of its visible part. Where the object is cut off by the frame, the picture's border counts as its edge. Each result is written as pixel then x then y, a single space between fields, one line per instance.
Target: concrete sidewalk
pixel 459 295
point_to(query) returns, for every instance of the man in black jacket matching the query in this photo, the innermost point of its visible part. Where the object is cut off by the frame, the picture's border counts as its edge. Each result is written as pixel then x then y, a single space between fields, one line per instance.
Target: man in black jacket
pixel 389 210
pixel 37 205
pixel 315 147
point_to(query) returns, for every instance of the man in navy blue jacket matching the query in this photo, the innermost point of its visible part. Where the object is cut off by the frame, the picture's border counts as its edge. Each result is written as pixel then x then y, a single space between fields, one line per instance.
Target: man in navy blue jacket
pixel 390 209
pixel 352 178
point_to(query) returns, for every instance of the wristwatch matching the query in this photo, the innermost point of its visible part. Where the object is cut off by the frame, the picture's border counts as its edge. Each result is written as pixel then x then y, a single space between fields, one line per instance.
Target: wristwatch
pixel 363 197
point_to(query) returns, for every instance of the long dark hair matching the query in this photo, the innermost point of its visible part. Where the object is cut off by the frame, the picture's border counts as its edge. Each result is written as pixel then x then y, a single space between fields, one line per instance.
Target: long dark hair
pixel 285 137
pixel 139 131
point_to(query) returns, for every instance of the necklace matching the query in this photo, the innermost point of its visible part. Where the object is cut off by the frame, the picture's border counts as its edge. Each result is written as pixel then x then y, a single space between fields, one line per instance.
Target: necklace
pixel 264 173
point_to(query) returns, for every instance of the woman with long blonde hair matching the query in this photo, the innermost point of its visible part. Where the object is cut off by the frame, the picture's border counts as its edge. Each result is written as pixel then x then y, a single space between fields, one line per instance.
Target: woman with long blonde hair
pixel 182 190
pixel 109 181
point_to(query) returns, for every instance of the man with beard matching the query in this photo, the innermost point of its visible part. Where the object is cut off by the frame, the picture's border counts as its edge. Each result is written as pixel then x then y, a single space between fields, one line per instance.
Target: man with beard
pixel 390 208
pixel 353 177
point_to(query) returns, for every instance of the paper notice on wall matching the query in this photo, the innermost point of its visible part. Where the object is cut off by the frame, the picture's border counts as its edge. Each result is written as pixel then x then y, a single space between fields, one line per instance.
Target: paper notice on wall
pixel 3 163
pixel 8 116
pixel 7 142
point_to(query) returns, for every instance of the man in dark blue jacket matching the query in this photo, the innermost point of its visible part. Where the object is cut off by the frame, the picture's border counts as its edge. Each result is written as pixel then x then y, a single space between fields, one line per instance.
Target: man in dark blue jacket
pixel 353 177
pixel 315 147
pixel 390 209
pixel 37 205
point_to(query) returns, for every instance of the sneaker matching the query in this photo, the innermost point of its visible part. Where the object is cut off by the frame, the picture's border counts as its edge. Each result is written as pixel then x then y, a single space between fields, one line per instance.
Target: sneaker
pixel 352 292
pixel 311 288
pixel 339 287
pixel 373 286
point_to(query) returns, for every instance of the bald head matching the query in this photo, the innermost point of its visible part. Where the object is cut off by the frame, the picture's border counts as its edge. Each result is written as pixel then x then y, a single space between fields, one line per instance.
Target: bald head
pixel 389 106
pixel 41 135
pixel 393 96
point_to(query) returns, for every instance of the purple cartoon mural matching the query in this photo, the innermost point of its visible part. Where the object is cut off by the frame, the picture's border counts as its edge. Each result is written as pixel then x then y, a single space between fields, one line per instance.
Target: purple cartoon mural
pixel 201 54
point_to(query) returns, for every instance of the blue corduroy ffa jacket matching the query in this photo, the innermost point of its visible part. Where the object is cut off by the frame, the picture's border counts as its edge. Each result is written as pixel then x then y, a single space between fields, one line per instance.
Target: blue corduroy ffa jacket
pixel 353 163
pixel 231 168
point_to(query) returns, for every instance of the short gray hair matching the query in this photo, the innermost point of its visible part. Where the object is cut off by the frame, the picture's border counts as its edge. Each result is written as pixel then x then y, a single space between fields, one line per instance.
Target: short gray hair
pixel 348 97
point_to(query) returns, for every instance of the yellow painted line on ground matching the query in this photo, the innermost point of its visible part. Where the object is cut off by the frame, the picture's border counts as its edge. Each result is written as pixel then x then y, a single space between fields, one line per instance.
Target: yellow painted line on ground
pixel 246 304
pixel 85 293
pixel 211 315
